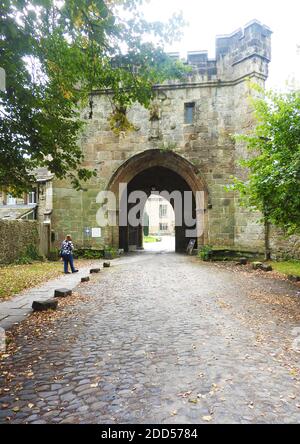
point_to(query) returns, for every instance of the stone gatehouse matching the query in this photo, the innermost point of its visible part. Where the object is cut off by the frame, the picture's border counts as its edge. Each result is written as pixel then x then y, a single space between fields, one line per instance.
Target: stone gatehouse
pixel 187 145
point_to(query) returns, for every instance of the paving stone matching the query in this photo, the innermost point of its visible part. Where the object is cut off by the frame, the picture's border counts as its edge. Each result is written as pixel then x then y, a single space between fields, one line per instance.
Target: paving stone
pixel 67 397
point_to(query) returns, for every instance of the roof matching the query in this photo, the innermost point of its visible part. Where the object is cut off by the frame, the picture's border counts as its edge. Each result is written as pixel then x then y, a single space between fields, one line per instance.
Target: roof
pixel 15 212
pixel 43 175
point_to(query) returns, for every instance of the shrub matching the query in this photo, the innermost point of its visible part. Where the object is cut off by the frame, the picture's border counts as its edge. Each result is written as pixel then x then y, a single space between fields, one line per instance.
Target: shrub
pixel 53 255
pixel 110 253
pixel 30 255
pixel 205 253
pixel 88 254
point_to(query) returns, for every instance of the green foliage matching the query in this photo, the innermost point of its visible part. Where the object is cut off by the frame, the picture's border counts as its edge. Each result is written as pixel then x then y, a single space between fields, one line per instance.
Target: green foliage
pixel 119 122
pixel 287 267
pixel 110 253
pixel 273 183
pixel 89 254
pixel 205 253
pixel 151 239
pixel 168 146
pixel 56 55
pixel 30 255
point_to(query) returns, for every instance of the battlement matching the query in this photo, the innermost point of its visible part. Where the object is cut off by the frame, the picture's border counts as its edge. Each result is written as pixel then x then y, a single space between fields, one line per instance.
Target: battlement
pixel 251 42
pixel 253 39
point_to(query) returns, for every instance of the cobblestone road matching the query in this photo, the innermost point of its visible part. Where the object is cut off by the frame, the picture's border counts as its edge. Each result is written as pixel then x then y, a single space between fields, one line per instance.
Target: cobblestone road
pixel 162 338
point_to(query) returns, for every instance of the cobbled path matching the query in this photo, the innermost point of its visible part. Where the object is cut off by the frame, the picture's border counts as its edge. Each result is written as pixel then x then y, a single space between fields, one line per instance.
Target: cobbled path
pixel 163 338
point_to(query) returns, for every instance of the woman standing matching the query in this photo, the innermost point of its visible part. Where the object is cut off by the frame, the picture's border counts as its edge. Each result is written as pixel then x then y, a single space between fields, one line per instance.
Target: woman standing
pixel 66 253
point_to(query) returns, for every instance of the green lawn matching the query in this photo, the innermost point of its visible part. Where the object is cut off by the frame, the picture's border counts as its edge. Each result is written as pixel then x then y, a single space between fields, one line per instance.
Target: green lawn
pixel 15 278
pixel 150 239
pixel 287 267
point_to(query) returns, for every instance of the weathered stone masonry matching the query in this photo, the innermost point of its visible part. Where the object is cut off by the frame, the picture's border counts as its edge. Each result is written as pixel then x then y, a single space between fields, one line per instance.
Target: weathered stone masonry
pixel 219 91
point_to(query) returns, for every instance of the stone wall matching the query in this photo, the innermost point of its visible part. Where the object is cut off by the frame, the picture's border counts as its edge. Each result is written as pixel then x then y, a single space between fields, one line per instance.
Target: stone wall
pixel 15 237
pixel 283 246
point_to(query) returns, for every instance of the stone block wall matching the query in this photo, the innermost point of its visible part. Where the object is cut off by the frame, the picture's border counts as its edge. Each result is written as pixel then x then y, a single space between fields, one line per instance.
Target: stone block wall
pixel 15 237
pixel 283 246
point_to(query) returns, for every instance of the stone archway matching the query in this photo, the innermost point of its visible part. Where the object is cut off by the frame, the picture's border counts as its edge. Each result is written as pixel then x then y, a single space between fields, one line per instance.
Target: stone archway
pixel 160 171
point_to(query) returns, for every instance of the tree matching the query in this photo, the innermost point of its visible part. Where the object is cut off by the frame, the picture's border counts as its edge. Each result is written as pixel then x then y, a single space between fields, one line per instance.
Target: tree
pixel 55 55
pixel 273 183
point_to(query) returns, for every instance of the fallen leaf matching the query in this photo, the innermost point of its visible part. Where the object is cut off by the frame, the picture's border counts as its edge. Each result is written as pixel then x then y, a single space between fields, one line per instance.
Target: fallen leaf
pixel 184 395
pixel 207 418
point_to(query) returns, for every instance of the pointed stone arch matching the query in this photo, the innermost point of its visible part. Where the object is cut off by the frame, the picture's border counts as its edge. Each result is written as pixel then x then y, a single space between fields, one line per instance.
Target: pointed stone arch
pixel 168 170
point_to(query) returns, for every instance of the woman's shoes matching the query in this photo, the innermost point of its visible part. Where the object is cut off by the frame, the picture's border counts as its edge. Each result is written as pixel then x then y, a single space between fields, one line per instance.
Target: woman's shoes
pixel 75 271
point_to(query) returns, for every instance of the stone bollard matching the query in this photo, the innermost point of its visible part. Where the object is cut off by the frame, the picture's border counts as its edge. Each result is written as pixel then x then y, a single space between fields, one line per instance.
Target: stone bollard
pixel 261 266
pixel 294 278
pixel 85 279
pixel 95 270
pixel 50 304
pixel 243 261
pixel 62 293
pixel 266 268
pixel 106 265
pixel 257 265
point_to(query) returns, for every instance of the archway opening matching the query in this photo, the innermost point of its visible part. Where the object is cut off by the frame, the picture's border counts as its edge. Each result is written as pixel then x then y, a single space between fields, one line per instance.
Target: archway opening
pixel 165 182
pixel 158 171
pixel 158 225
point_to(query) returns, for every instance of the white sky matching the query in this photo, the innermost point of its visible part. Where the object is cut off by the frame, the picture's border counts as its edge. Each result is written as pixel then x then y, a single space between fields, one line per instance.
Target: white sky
pixel 209 18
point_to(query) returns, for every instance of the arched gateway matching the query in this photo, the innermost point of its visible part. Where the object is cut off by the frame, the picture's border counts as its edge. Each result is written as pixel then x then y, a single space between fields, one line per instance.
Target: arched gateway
pixel 157 171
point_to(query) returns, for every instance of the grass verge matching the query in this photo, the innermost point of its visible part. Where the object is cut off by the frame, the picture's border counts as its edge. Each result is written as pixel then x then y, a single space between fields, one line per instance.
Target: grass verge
pixel 150 239
pixel 15 278
pixel 287 267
